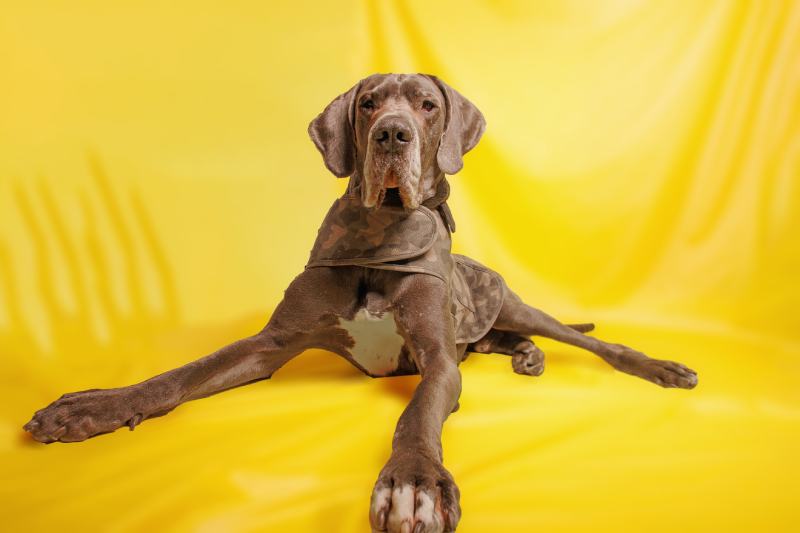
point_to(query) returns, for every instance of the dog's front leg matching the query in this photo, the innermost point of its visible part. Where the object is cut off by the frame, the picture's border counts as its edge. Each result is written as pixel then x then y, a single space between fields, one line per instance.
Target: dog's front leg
pixel 303 319
pixel 414 491
pixel 78 416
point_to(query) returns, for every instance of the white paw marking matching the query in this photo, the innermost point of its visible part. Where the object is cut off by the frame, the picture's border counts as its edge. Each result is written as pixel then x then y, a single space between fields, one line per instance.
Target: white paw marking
pixel 426 512
pixel 402 512
pixel 380 498
pixel 377 344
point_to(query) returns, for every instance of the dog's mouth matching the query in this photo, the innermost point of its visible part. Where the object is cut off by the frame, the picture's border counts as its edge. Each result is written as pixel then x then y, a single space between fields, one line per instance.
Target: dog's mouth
pixel 388 197
pixel 389 178
pixel 392 198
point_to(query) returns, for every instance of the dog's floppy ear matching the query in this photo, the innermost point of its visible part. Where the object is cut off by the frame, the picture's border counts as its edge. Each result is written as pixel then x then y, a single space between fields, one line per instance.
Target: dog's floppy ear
pixel 464 125
pixel 333 135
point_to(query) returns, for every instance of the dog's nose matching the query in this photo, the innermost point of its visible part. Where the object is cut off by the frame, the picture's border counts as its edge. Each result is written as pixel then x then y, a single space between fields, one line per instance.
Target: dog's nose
pixel 392 135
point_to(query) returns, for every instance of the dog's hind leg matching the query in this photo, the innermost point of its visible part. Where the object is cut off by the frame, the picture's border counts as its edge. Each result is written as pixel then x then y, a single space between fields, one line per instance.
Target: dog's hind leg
pixel 526 357
pixel 524 320
pixel 303 320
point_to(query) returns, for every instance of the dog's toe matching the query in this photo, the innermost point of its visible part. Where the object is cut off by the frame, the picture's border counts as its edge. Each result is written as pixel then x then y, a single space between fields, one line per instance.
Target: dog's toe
pixel 47 425
pixel 401 515
pixel 427 519
pixel 379 507
pixel 415 509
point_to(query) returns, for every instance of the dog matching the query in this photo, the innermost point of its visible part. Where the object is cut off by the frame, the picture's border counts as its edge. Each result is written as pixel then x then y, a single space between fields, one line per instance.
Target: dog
pixel 382 290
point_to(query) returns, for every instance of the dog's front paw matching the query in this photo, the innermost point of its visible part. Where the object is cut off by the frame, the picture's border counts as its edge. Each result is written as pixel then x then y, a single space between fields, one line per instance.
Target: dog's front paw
pixel 414 494
pixel 78 416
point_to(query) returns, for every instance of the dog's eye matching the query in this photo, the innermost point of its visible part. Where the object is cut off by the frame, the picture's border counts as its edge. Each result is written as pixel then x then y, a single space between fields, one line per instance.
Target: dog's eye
pixel 427 105
pixel 367 104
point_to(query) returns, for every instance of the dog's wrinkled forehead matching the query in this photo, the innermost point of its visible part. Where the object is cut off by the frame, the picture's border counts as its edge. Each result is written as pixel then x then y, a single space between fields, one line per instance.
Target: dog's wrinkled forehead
pixel 381 87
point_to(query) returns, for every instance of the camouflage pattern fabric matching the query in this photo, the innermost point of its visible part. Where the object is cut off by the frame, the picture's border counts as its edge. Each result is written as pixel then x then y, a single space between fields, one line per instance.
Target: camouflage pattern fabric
pixel 354 235
pixel 477 298
pixel 391 239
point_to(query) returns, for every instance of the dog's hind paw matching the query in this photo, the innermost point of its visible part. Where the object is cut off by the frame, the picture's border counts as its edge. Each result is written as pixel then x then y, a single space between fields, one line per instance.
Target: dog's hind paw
pixel 665 373
pixel 528 359
pixel 668 374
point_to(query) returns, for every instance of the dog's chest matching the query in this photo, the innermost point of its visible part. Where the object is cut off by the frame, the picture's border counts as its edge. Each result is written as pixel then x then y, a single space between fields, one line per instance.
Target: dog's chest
pixel 377 346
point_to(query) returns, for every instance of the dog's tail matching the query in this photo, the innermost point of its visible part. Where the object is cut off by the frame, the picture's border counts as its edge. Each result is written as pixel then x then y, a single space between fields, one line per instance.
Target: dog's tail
pixel 583 328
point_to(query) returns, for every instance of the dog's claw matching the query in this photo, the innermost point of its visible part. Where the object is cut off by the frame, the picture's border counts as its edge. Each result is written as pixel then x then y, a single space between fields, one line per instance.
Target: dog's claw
pixel 135 421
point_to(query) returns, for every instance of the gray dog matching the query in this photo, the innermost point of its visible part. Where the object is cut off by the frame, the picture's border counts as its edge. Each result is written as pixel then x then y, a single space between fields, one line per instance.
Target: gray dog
pixel 382 290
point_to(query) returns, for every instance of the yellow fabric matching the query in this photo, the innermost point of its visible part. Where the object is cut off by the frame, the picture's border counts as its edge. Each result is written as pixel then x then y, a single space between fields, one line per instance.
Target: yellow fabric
pixel 640 170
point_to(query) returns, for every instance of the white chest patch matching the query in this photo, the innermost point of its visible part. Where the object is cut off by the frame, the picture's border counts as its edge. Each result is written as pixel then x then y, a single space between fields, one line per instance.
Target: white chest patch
pixel 377 344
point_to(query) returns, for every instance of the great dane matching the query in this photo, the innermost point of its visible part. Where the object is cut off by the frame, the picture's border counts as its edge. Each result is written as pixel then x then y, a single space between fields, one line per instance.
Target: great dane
pixel 382 290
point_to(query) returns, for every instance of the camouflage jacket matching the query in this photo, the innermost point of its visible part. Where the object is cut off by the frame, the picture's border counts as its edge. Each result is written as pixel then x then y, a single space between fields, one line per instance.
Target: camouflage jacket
pixel 389 238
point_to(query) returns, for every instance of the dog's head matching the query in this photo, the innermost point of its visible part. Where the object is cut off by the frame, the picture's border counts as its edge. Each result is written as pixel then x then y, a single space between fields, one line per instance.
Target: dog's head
pixel 397 132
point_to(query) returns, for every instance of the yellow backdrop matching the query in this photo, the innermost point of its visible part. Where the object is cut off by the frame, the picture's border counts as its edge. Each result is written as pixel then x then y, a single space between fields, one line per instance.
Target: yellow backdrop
pixel 641 170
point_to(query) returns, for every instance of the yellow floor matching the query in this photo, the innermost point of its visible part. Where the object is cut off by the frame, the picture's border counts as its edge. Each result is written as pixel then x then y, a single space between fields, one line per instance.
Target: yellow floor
pixel 640 169
pixel 582 448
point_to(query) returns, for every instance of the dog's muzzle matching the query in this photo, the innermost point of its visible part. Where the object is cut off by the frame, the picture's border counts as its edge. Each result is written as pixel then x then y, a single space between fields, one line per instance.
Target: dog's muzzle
pixel 392 160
